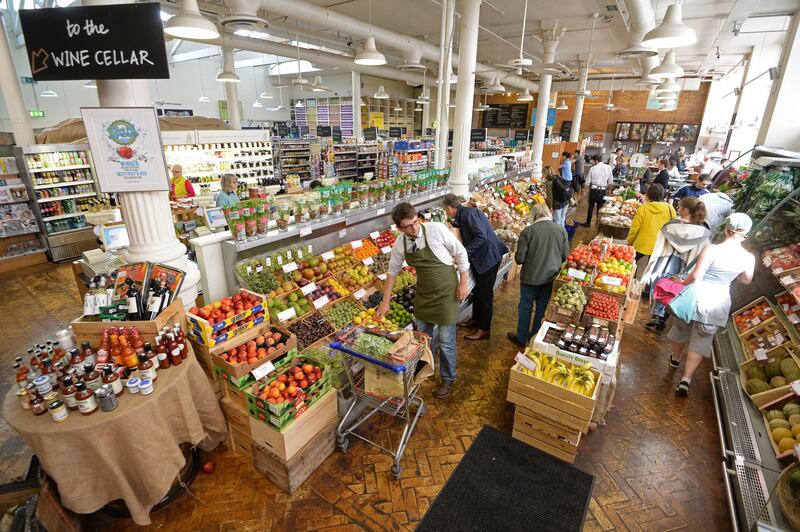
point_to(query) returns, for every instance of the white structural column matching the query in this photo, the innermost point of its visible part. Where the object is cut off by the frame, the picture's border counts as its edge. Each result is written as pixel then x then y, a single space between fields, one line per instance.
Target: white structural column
pixel 465 93
pixel 443 89
pixel 426 114
pixel 231 92
pixel 356 90
pixel 577 113
pixel 550 37
pixel 12 95
pixel 779 126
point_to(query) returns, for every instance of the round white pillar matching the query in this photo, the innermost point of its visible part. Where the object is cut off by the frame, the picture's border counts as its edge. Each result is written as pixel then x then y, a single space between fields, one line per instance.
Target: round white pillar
pixel 550 39
pixel 465 94
pixel 12 94
pixel 443 91
pixel 577 114
pixel 356 89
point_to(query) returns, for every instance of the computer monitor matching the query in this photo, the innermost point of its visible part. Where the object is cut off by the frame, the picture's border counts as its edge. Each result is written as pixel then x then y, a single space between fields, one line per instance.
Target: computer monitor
pixel 114 237
pixel 215 218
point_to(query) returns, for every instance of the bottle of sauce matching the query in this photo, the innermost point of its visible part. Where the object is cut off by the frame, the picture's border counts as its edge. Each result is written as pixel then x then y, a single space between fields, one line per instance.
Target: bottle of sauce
pixel 32 360
pixel 22 364
pixel 113 380
pixel 136 341
pixel 49 371
pixel 146 368
pixel 181 339
pixel 89 356
pixel 129 357
pixel 21 375
pixel 38 406
pixel 68 391
pixel 104 351
pixel 92 377
pixel 151 355
pixel 76 361
pixel 116 353
pixel 87 402
pixel 161 353
pixel 174 350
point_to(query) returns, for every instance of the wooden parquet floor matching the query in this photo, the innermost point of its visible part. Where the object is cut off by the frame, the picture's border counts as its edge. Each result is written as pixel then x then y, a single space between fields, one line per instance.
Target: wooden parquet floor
pixel 656 461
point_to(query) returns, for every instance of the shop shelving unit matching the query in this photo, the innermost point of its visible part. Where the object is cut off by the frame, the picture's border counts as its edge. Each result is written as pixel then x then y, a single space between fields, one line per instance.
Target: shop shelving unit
pixel 206 155
pixel 60 179
pixel 367 158
pixel 334 112
pixel 381 114
pixel 20 235
pixel 293 157
pixel 344 161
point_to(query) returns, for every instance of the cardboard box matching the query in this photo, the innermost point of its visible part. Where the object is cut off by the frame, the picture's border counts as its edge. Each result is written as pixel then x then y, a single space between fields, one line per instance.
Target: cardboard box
pixel 240 370
pixel 204 332
pixel 256 403
pixel 235 415
pixel 760 399
pixel 286 444
pixel 606 367
pixel 92 331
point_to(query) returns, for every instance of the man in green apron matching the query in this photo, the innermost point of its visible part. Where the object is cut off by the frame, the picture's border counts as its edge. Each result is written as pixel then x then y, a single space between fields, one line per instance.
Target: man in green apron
pixel 433 250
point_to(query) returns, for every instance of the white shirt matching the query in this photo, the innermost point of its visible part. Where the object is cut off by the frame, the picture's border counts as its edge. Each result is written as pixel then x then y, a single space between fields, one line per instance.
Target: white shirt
pixel 674 173
pixel 442 241
pixel 612 159
pixel 600 176
pixel 710 167
pixel 718 207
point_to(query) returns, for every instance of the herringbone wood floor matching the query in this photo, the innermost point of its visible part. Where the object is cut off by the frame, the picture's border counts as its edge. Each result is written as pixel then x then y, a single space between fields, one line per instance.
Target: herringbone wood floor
pixel 655 461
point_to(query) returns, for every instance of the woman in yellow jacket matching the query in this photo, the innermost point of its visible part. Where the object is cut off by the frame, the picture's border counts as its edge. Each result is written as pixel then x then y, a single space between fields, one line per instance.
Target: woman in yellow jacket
pixel 649 220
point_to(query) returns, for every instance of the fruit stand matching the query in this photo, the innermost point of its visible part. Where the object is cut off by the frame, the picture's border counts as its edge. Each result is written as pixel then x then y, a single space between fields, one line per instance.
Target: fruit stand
pixel 616 216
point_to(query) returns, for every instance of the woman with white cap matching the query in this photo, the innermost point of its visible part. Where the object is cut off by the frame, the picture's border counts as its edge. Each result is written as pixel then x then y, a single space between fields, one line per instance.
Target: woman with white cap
pixel 717 267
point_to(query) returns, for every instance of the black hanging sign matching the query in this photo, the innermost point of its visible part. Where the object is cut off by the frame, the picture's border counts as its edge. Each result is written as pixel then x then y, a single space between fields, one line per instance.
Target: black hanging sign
pixel 371 133
pixel 323 131
pixel 337 134
pixel 477 135
pixel 303 130
pixel 283 131
pixel 394 132
pixel 124 41
pixel 521 134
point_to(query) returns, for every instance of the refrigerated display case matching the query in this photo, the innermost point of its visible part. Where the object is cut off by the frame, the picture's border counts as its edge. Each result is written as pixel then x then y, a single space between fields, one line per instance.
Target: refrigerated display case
pixel 61 183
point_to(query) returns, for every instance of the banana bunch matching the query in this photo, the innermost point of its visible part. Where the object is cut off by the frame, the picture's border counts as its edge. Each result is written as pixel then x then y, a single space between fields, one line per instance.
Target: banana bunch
pixel 578 379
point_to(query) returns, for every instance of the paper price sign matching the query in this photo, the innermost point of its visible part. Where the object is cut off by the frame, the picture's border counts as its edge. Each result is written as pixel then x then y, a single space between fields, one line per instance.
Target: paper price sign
pixel 268 260
pixel 287 268
pixel 305 231
pixel 359 294
pixel 795 385
pixel 394 227
pixel 760 353
pixel 289 254
pixel 375 234
pixel 342 233
pixel 380 212
pixel 262 371
pixel 611 281
pixel 287 314
pixel 355 244
pixel 577 274
pixel 280 260
pixel 525 361
pixel 321 302
pixel 368 261
pixel 386 250
pixel 328 255
pixel 382 276
pixel 249 270
pixel 427 216
pixel 307 289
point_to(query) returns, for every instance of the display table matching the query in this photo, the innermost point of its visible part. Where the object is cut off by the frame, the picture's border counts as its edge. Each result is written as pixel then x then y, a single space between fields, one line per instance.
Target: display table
pixel 613 231
pixel 131 453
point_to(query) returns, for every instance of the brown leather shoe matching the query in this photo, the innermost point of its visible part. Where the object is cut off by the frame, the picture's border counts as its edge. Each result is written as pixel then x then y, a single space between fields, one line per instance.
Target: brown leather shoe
pixel 469 324
pixel 478 335
pixel 512 337
pixel 444 389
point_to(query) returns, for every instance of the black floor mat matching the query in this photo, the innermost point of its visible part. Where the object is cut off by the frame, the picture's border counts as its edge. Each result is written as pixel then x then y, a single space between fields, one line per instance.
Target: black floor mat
pixel 505 484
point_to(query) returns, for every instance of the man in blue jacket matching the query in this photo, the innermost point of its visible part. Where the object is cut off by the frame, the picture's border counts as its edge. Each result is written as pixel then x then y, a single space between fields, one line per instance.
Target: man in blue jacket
pixel 485 251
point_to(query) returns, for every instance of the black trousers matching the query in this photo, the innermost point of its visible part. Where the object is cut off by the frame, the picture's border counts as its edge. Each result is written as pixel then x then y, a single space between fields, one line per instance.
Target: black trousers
pixel 483 297
pixel 595 201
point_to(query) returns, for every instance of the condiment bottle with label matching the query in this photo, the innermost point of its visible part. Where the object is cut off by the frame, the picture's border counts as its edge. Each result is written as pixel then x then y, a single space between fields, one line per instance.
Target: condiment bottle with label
pixel 68 391
pixel 174 350
pixel 38 406
pixel 151 355
pixel 92 377
pixel 21 376
pixel 104 351
pixel 116 353
pixel 76 361
pixel 113 380
pixel 129 357
pixel 161 353
pixel 49 370
pixel 58 410
pixel 87 402
pixel 136 341
pixel 147 369
pixel 88 355
pixel 180 338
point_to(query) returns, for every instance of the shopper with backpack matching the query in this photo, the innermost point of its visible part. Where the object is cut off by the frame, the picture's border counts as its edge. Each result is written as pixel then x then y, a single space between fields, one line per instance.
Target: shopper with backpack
pixel 563 190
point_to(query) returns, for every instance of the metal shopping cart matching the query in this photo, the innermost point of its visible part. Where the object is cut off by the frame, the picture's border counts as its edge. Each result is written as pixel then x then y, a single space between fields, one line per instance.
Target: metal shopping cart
pixel 402 370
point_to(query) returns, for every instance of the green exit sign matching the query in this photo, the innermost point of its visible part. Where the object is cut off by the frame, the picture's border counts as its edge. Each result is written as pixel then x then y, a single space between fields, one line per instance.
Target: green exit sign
pixel 36 113
pixel 28 80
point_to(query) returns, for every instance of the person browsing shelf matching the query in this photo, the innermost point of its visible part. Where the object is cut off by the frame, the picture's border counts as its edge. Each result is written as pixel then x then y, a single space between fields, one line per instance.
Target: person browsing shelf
pixel 227 197
pixel 600 179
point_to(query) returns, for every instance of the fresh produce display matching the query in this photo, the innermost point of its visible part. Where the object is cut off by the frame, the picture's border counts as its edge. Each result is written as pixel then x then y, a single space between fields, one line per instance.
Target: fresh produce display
pixel 594 341
pixel 783 258
pixel 295 300
pixel 790 307
pixel 404 278
pixel 310 270
pixel 622 252
pixel 228 307
pixel 342 259
pixel 399 315
pixel 374 300
pixel 570 296
pixel 356 277
pixel 405 298
pixel 385 239
pixel 580 265
pixel 603 306
pixel 371 344
pixel 342 312
pixel 762 192
pixel 330 288
pixel 291 384
pixel 255 350
pixel 784 427
pixel 367 249
pixel 775 373
pixel 578 379
pixel 765 337
pixel 753 315
pixel 311 329
pixel 255 275
pixel 380 264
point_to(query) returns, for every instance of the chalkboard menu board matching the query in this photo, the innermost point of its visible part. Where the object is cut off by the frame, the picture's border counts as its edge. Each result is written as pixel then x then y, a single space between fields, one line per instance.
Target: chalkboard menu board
pixel 394 132
pixel 403 130
pixel 521 134
pixel 337 134
pixel 566 129
pixel 294 130
pixel 371 133
pixel 506 115
pixel 477 135
pixel 283 131
pixel 304 130
pixel 323 131
pixel 428 131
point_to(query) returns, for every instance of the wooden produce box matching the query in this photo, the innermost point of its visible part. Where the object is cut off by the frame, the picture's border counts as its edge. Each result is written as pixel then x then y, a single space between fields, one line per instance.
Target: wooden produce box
pixel 234 394
pixel 290 474
pixel 286 444
pixel 239 438
pixel 562 407
pixel 745 320
pixel 556 314
pixel 773 331
pixel 92 331
pixel 541 433
pixel 778 404
pixel 203 332
pixel 614 326
pixel 762 398
pixel 630 310
pixel 240 370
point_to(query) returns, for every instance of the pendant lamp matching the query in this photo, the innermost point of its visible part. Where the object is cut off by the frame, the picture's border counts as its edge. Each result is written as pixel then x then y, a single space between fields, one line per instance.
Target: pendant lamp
pixel 664 96
pixel 525 96
pixel 381 94
pixel 667 68
pixel 204 99
pixel 672 32
pixel 190 24
pixel 668 85
pixel 562 105
pixel 369 55
pixel 227 75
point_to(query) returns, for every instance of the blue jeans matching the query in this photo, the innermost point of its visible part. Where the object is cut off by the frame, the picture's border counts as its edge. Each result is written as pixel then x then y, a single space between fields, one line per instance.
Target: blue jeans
pixel 445 338
pixel 560 215
pixel 530 294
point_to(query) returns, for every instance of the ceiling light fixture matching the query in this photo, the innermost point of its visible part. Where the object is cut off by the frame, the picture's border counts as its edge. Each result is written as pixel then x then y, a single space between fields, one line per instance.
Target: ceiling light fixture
pixel 228 73
pixel 672 32
pixel 669 106
pixel 318 86
pixel 668 85
pixel 562 105
pixel 397 108
pixel 257 104
pixel 495 87
pixel 381 94
pixel 635 47
pixel 48 93
pixel 369 55
pixel 190 24
pixel 418 109
pixel 525 96
pixel 664 96
pixel 267 94
pixel 299 104
pixel 204 99
pixel 667 68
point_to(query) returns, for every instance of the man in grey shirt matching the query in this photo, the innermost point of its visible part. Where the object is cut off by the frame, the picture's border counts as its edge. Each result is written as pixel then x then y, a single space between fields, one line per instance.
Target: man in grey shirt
pixel 578 175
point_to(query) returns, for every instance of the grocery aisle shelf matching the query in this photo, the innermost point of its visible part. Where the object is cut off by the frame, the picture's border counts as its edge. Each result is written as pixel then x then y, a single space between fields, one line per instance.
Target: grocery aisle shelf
pixel 59 169
pixel 64 184
pixel 71 196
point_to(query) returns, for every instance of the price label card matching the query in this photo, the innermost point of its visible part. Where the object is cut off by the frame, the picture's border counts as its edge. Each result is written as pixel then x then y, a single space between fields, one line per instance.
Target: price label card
pixel 755 320
pixel 342 233
pixel 382 276
pixel 249 270
pixel 375 234
pixel 386 250
pixel 292 266
pixel 268 261
pixel 355 244
pixel 577 274
pixel 307 289
pixel 328 255
pixel 380 212
pixel 259 268
pixel 279 260
pixel 368 261
pixel 309 250
pixel 779 339
pixel 305 231
pixel 393 227
pixel 760 353
pixel 321 302
pixel 360 293
pixel 794 319
pixel 525 361
pixel 262 371
pixel 611 281
pixel 795 387
pixel 287 314
pixel 289 254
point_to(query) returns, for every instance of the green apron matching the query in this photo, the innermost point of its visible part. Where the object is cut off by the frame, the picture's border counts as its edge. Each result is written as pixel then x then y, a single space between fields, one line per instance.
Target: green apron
pixel 436 300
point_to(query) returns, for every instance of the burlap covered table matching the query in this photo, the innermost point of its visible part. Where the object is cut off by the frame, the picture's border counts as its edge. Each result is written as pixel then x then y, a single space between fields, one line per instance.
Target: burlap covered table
pixel 131 453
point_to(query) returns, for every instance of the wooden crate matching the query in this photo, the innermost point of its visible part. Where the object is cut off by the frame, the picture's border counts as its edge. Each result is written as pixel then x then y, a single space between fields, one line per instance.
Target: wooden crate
pixel 92 331
pixel 630 310
pixel 285 444
pixel 234 394
pixel 559 405
pixel 240 370
pixel 772 394
pixel 556 314
pixel 778 405
pixel 235 415
pixel 766 329
pixel 537 432
pixel 750 326
pixel 204 332
pixel 290 474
